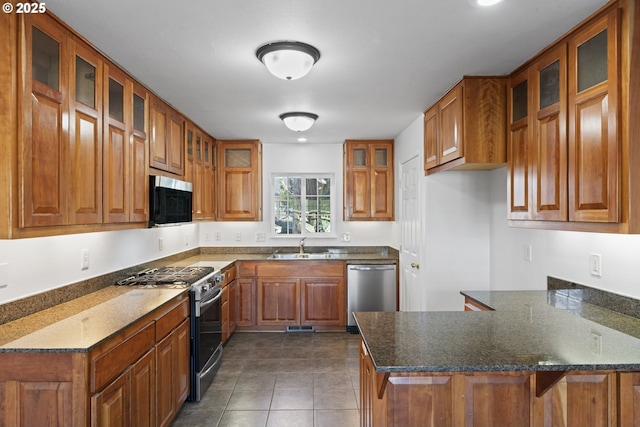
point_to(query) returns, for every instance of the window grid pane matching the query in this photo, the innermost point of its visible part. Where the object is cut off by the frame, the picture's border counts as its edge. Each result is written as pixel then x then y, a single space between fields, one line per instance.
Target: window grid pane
pixel 302 205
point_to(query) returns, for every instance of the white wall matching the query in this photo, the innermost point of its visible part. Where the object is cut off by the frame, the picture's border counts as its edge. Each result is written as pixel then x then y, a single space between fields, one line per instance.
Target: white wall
pixel 456 211
pixel 41 264
pixel 291 159
pixel 562 254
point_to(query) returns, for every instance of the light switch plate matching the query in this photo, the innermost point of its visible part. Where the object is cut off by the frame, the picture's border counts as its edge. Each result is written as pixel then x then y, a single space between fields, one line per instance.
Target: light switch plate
pixel 84 263
pixel 595 265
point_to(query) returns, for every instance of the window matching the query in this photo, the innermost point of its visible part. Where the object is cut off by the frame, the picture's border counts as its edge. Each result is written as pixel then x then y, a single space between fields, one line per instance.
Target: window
pixel 303 205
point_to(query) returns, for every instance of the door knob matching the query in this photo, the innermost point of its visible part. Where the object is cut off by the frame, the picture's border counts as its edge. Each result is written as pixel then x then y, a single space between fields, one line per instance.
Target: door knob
pixel 415 265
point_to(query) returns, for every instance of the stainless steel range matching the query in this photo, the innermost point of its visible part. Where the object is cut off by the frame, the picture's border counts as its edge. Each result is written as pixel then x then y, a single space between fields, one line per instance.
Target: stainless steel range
pixel 205 292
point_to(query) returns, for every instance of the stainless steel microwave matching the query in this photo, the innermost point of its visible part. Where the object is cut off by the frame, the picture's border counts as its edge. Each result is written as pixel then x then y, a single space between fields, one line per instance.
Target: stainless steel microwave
pixel 170 201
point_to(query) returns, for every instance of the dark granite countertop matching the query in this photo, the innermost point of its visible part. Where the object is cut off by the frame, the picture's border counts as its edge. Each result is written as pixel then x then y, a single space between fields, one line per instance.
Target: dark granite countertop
pixel 526 332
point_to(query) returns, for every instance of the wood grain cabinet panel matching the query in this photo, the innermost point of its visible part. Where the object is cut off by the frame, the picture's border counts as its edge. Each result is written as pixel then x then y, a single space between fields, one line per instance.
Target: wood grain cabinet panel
pixel 143 391
pixel 43 147
pixel 498 400
pixel 85 134
pixel 139 157
pixel 78 164
pixel 111 407
pixel 549 155
pixel 575 161
pixel 200 170
pixel 246 294
pixel 593 121
pixel 581 399
pixel 158 152
pixel 117 149
pixel 431 138
pixel 278 301
pixel 166 139
pixel 466 128
pixel 629 386
pixel 323 301
pixel 368 180
pixel 519 148
pixel 240 180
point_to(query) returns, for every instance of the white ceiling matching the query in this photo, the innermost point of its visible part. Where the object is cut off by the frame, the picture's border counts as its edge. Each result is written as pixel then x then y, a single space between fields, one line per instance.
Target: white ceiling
pixel 383 62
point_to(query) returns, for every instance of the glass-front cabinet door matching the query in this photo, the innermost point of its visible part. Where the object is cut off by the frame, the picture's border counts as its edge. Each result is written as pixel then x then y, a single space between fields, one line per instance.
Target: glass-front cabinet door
pixel 549 154
pixel 45 99
pixel 519 148
pixel 593 108
pixel 240 174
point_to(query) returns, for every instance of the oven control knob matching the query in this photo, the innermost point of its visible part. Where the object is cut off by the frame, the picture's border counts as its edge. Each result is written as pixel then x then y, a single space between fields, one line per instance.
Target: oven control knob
pixel 205 287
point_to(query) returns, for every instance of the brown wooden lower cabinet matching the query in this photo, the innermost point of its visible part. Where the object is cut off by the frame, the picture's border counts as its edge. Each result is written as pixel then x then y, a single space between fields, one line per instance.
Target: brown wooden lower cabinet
pixel 138 377
pixel 172 373
pixel 494 399
pixel 129 399
pixel 291 293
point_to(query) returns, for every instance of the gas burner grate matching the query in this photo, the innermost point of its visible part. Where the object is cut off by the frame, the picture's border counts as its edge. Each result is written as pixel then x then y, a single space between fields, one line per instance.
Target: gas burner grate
pixel 168 277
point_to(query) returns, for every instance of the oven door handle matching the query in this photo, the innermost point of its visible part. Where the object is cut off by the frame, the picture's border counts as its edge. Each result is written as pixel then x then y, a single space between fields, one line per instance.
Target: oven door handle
pixel 206 303
pixel 213 365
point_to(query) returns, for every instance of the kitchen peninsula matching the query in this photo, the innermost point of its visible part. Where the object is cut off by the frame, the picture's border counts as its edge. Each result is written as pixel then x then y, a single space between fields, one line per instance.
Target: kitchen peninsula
pixel 533 361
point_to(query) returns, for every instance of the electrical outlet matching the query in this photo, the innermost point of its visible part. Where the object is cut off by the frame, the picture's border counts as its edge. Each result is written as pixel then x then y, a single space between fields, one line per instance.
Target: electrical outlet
pixel 218 236
pixel 595 265
pixel 160 244
pixel 4 275
pixel 528 253
pixel 596 343
pixel 238 237
pixel 84 256
pixel 206 237
pixel 260 237
pixel 345 237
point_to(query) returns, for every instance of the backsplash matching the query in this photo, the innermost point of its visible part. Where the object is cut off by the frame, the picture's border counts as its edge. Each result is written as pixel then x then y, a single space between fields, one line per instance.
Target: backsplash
pixel 35 303
pixel 610 301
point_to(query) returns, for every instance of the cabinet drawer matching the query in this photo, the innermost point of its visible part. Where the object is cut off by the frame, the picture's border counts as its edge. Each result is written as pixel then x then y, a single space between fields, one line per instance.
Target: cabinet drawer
pixel 301 269
pixel 230 275
pixel 172 317
pixel 247 269
pixel 108 364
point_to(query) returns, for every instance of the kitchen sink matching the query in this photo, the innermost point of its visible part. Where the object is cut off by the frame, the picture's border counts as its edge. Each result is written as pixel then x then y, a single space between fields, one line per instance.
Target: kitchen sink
pixel 323 255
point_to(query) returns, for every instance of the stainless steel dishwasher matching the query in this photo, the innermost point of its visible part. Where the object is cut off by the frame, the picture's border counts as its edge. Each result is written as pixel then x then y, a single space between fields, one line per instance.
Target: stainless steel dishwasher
pixel 370 287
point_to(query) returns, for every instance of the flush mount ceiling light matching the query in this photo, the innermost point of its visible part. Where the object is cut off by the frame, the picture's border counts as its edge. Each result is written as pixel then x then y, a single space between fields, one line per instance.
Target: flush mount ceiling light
pixel 483 3
pixel 298 121
pixel 288 60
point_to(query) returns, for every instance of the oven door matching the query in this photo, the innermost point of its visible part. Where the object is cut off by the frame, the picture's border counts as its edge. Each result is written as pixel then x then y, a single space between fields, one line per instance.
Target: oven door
pixel 207 341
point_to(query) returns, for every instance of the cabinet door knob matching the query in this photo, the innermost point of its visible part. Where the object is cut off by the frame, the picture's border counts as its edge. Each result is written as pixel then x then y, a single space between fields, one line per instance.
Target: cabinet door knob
pixel 415 265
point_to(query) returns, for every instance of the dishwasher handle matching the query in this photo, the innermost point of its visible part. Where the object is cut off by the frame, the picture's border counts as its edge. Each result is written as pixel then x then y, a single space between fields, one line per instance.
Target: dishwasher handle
pixel 372 267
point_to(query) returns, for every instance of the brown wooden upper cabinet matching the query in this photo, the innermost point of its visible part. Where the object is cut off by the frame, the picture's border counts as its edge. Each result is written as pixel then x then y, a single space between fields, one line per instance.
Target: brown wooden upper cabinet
pixel 368 180
pixel 44 147
pixel 240 180
pixel 200 171
pixel 564 143
pixel 125 149
pixel 465 129
pixel 166 143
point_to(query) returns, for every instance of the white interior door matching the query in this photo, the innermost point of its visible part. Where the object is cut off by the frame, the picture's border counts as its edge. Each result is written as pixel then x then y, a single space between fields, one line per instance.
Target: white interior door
pixel 410 294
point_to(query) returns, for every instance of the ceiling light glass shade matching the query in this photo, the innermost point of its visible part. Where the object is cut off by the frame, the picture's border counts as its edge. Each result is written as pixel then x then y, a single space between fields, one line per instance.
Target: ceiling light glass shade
pixel 486 2
pixel 298 121
pixel 288 60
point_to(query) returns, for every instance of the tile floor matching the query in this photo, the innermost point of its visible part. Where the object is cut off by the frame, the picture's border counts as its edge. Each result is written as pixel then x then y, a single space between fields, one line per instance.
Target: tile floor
pixel 280 380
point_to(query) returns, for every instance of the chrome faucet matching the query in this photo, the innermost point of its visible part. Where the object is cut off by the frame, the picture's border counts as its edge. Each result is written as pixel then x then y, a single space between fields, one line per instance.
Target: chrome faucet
pixel 302 245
